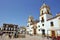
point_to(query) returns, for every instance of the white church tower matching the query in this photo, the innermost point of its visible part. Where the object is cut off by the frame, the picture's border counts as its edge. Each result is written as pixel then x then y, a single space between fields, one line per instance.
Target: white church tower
pixel 45 13
pixel 30 20
pixel 29 25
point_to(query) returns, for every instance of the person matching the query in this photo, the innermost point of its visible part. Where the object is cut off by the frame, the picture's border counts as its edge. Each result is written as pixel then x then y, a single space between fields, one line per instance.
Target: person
pixel 9 36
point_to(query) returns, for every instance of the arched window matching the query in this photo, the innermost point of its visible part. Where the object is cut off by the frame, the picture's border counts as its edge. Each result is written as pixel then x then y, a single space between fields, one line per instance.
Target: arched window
pixel 42 12
pixel 51 23
pixel 42 19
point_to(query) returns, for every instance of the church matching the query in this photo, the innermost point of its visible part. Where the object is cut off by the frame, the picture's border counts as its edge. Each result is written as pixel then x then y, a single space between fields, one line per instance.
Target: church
pixel 45 23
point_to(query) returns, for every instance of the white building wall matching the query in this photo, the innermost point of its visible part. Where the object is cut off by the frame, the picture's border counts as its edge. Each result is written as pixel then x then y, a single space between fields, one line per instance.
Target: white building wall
pixel 48 16
pixel 55 22
pixel 30 29
pixel 40 18
pixel 58 20
pixel 38 32
pixel 47 24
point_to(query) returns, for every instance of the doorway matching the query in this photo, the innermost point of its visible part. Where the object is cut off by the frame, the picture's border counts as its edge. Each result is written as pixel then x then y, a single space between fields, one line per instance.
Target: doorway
pixel 34 31
pixel 43 32
pixel 53 33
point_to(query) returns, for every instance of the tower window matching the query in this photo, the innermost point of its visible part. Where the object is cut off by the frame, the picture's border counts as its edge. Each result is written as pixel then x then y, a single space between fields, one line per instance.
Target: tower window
pixel 42 24
pixel 52 24
pixel 31 20
pixel 42 19
pixel 42 12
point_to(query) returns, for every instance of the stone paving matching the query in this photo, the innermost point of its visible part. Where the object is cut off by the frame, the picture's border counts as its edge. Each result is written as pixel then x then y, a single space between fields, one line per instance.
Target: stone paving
pixel 26 38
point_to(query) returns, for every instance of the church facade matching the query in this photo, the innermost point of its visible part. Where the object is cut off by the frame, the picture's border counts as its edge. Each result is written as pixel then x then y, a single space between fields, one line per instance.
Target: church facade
pixel 46 21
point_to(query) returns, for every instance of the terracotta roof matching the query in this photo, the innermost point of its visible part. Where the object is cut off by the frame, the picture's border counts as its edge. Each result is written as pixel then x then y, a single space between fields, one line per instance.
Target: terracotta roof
pixel 34 22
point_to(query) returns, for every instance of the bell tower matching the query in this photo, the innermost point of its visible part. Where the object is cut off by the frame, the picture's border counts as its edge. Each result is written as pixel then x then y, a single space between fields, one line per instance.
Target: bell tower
pixel 30 20
pixel 45 12
pixel 44 9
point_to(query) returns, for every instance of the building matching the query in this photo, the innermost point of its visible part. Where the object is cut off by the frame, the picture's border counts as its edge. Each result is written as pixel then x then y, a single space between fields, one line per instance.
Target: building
pixel 9 29
pixel 22 30
pixel 12 30
pixel 45 22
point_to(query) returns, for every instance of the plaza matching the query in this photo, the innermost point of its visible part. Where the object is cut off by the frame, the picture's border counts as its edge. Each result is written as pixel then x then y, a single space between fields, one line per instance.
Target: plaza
pixel 28 37
pixel 44 26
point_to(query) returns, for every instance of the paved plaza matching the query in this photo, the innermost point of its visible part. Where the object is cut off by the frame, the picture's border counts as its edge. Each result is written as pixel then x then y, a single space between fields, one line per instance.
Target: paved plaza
pixel 26 38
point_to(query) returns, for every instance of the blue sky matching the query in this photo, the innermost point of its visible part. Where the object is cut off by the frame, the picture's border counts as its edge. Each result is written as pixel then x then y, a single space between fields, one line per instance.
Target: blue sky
pixel 17 11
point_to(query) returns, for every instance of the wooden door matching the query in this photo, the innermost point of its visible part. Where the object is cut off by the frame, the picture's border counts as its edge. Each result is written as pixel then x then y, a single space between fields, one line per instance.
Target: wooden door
pixel 34 31
pixel 53 33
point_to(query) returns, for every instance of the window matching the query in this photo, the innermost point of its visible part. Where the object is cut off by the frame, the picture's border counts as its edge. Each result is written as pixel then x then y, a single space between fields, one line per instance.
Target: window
pixel 42 24
pixel 28 26
pixel 42 12
pixel 38 25
pixel 9 28
pixel 39 29
pixel 42 19
pixel 6 28
pixel 52 24
pixel 31 20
